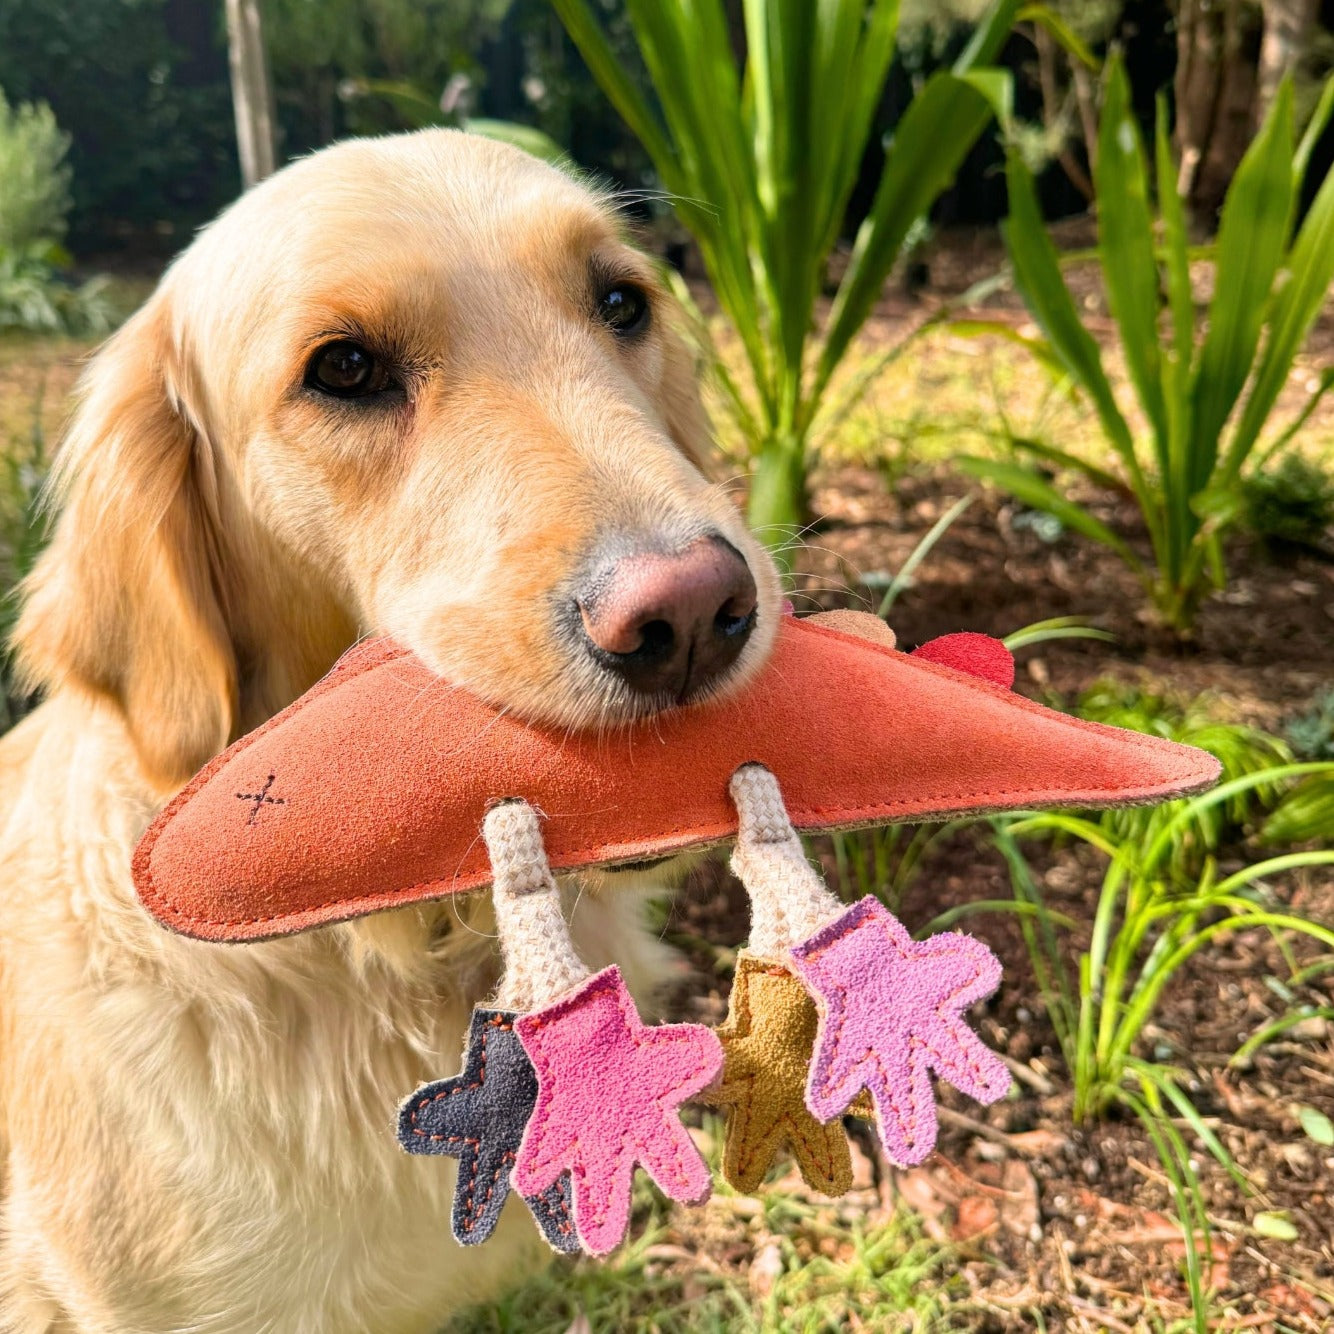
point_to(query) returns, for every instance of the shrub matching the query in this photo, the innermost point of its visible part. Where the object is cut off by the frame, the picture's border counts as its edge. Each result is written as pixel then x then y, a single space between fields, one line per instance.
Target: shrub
pixel 23 534
pixel 761 168
pixel 141 86
pixel 1292 503
pixel 37 298
pixel 34 203
pixel 34 179
pixel 1312 733
pixel 1205 400
pixel 1307 812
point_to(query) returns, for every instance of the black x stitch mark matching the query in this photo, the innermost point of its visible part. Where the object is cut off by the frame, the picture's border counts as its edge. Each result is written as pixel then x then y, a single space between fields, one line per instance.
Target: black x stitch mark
pixel 261 798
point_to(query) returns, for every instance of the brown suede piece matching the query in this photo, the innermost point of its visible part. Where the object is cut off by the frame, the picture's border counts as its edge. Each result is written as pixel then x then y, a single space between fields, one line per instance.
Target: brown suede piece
pixel 369 791
pixel 767 1041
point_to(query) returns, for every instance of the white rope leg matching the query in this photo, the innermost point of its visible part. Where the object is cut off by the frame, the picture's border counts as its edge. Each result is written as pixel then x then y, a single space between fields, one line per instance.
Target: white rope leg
pixel 539 961
pixel 788 899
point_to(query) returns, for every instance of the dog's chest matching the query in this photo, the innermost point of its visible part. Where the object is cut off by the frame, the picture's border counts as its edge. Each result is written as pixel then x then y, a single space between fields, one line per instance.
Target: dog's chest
pixel 307 1192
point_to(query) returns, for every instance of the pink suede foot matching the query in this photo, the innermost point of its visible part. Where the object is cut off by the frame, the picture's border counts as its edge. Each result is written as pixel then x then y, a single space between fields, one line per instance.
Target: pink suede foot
pixel 890 1011
pixel 608 1091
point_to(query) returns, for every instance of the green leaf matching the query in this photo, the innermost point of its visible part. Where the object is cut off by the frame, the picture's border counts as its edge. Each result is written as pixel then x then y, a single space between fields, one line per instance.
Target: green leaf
pixel 586 33
pixel 1038 274
pixel 1315 127
pixel 1276 1224
pixel 1310 270
pixel 920 552
pixel 1317 1125
pixel 1220 505
pixel 1037 348
pixel 989 36
pixel 1125 243
pixel 1174 469
pixel 1176 246
pixel 1045 16
pixel 1305 813
pixel 930 141
pixel 1252 236
pixel 1037 493
pixel 1054 627
pixel 1064 459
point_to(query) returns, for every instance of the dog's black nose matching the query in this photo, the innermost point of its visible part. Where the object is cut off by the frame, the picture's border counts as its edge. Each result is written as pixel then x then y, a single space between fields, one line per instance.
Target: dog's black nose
pixel 667 624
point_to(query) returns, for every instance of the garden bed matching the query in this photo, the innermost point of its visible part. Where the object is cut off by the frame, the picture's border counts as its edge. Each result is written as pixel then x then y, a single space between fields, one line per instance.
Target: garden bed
pixel 1052 1223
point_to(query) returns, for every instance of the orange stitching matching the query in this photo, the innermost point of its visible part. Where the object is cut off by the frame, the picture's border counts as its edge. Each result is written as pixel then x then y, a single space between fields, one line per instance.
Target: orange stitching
pixel 470 1209
pixel 600 983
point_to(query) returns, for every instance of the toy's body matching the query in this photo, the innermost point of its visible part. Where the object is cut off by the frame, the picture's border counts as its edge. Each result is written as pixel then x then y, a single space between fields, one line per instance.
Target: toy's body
pixel 369 792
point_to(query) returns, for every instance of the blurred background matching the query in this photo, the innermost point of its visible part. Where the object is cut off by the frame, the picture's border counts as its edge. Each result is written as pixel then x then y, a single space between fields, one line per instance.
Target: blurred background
pixel 1011 317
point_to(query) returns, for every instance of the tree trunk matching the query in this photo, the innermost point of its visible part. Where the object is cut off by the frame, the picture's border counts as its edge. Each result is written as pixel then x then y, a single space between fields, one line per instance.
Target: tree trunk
pixel 1287 32
pixel 252 91
pixel 1215 98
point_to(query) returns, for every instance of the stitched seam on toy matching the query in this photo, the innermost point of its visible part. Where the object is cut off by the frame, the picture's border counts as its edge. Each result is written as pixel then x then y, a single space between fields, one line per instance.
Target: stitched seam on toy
pixel 471 1209
pixel 825 1061
pixel 973 1065
pixel 774 1138
pixel 563 1223
pixel 261 799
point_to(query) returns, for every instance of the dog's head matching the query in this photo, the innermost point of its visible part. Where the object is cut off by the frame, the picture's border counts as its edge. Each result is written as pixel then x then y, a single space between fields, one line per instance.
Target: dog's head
pixel 420 386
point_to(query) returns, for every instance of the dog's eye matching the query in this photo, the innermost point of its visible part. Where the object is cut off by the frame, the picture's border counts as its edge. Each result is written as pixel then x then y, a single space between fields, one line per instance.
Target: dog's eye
pixel 623 308
pixel 346 370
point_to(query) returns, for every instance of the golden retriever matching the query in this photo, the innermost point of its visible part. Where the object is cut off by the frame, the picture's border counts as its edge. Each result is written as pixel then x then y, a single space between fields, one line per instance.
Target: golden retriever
pixel 421 386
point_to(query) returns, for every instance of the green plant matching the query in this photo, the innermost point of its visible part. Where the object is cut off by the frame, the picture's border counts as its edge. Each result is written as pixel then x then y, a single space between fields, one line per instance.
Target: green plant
pixel 1307 812
pixel 37 298
pixel 1312 733
pixel 1241 750
pixel 34 202
pixel 141 86
pixel 1291 503
pixel 761 168
pixel 829 1274
pixel 1205 400
pixel 884 859
pixel 34 179
pixel 1147 925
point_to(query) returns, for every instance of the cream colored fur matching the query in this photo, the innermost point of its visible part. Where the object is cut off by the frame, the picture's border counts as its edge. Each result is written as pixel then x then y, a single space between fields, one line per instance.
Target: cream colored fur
pixel 199 1137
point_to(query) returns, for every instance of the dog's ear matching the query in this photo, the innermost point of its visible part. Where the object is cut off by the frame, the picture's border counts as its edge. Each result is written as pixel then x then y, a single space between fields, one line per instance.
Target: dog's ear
pixel 127 600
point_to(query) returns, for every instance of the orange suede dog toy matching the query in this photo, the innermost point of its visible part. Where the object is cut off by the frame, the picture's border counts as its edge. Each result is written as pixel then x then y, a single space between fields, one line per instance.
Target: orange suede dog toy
pixel 383 786
pixel 369 792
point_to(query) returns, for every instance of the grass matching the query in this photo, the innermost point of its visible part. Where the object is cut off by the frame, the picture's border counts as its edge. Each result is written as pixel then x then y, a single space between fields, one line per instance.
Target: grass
pixel 816 1269
pixel 1151 919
